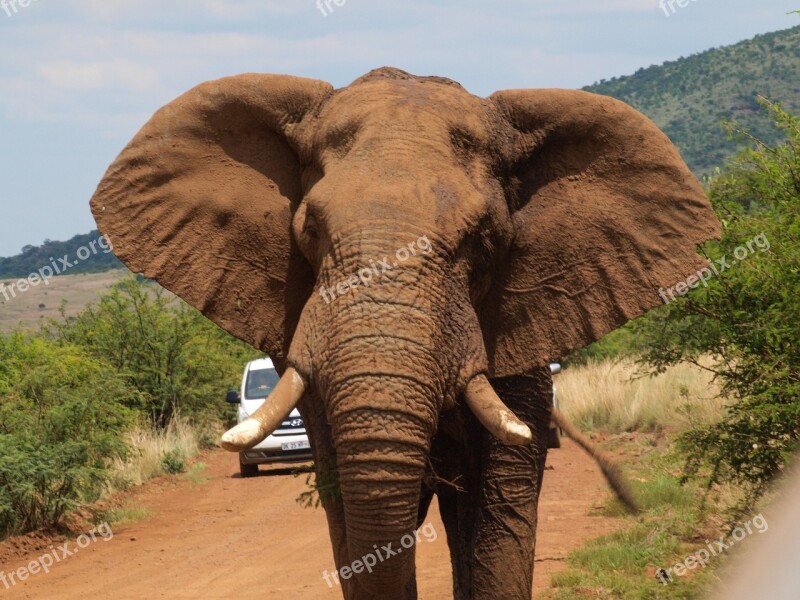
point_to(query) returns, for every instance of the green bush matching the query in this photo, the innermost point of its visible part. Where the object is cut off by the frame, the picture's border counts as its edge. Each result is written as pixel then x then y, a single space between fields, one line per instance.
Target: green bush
pixel 746 319
pixel 179 360
pixel 617 345
pixel 61 416
pixel 174 462
pixel 69 395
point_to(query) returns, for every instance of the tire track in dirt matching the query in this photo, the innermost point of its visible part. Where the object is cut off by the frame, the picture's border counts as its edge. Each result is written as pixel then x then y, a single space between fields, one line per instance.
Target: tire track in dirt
pixel 232 538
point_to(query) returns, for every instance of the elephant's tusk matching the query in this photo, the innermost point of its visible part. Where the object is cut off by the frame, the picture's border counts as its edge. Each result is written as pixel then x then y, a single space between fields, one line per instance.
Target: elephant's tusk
pixel 490 410
pixel 269 416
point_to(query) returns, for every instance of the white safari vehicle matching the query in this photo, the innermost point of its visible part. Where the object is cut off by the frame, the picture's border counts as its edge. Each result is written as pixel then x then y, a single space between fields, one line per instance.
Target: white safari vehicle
pixel 554 434
pixel 289 443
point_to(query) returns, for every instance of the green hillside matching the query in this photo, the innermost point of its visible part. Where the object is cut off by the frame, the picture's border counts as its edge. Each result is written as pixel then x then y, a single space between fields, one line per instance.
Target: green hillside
pixel 691 97
pixel 83 254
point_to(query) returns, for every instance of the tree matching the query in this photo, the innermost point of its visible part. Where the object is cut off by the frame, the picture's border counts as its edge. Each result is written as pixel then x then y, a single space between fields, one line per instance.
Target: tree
pixel 746 318
pixel 176 358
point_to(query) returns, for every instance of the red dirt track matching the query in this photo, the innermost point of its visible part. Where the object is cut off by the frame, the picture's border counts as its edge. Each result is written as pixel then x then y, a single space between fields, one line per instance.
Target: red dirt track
pixel 231 538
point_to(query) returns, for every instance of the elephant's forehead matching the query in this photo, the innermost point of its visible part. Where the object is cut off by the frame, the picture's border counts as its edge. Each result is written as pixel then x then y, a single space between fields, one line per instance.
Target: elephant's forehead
pixel 409 102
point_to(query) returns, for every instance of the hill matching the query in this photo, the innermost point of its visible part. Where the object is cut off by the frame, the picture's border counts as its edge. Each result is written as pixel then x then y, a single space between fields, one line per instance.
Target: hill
pixel 85 253
pixel 691 97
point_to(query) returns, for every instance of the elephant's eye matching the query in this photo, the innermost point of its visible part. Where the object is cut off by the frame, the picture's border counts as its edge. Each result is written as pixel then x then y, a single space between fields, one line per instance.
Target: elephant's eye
pixel 470 151
pixel 341 139
pixel 465 142
pixel 310 227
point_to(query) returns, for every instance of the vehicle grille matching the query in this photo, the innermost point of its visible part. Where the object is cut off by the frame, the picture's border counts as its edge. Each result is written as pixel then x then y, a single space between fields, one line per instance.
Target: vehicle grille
pixel 291 426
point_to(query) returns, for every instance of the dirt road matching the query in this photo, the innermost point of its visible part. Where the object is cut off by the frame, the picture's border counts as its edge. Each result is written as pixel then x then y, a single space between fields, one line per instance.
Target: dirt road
pixel 243 539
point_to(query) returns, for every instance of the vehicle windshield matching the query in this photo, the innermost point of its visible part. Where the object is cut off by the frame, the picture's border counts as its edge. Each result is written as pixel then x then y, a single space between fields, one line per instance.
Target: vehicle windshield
pixel 260 383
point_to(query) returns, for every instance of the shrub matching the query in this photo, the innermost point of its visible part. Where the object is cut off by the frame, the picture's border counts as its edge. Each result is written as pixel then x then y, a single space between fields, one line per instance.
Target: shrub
pixel 61 416
pixel 615 397
pixel 174 462
pixel 148 447
pixel 747 319
pixel 176 358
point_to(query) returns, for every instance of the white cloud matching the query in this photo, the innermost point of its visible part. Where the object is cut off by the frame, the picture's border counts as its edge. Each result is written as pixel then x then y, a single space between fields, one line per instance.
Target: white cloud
pixel 189 10
pixel 96 76
pixel 131 56
pixel 582 7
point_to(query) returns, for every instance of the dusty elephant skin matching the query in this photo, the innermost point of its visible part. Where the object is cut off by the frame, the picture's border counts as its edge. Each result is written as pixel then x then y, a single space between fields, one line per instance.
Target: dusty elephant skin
pixel 550 217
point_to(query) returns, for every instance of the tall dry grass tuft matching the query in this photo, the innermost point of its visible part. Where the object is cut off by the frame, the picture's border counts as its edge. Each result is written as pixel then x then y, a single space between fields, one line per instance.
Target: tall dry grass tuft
pixel 616 397
pixel 155 451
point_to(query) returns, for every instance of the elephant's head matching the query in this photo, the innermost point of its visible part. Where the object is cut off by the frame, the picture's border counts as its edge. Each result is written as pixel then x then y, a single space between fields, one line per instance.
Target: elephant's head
pixel 395 243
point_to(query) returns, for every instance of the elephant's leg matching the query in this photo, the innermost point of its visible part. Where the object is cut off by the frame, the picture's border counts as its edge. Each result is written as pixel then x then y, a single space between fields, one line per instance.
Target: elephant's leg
pixel 455 464
pixel 325 468
pixel 512 479
pixel 458 542
pixel 491 524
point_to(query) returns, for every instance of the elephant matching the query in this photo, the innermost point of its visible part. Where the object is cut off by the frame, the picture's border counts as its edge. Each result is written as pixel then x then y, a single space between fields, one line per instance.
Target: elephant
pixel 411 256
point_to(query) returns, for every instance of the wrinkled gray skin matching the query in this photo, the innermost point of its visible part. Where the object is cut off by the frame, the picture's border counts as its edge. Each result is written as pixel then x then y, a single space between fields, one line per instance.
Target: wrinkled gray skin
pixel 551 216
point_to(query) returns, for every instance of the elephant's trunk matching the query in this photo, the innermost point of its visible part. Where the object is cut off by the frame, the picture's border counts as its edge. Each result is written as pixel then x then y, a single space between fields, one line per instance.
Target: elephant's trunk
pixel 380 488
pixel 384 411
pixel 386 355
pixel 385 368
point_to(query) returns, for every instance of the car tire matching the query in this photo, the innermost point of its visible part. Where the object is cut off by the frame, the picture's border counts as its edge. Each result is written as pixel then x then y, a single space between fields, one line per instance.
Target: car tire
pixel 554 437
pixel 248 470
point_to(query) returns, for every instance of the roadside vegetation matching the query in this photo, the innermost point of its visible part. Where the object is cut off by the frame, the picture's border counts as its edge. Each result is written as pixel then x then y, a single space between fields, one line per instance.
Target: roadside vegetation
pixel 636 418
pixel 627 563
pixel 130 388
pixel 154 451
pixel 699 399
pixel 617 396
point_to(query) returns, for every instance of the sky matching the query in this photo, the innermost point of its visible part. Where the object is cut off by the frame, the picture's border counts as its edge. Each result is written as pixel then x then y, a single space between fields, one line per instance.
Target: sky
pixel 78 78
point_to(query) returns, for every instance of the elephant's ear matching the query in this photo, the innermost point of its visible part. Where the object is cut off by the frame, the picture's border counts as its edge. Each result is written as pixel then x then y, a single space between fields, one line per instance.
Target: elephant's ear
pixel 201 201
pixel 605 214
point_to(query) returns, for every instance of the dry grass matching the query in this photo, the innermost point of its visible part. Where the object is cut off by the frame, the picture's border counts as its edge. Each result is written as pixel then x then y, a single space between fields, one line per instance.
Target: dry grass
pixel 153 452
pixel 615 397
pixel 27 310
